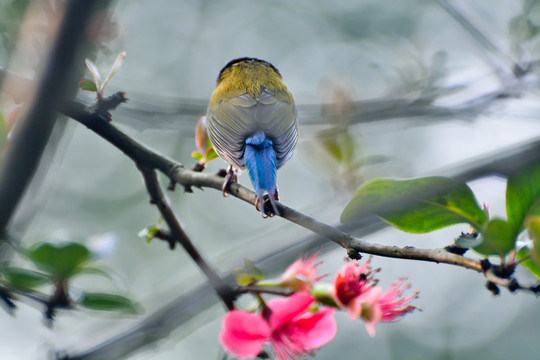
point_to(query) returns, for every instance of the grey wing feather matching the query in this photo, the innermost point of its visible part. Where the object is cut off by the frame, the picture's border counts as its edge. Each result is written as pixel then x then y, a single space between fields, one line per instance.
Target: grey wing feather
pixel 236 119
pixel 278 120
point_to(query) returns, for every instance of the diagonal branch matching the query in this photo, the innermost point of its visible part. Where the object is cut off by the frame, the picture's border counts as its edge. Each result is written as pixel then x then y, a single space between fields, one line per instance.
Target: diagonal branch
pixel 147 160
pixel 224 291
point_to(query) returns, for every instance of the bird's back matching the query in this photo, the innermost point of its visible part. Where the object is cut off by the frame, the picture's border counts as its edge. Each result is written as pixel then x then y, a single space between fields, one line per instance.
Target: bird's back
pixel 250 97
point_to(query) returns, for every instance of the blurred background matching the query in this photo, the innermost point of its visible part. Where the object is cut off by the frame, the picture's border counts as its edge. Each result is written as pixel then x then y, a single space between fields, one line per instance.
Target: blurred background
pixel 383 89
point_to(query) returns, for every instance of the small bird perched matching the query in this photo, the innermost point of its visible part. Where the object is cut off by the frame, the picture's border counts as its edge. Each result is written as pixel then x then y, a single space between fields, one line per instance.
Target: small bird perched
pixel 251 122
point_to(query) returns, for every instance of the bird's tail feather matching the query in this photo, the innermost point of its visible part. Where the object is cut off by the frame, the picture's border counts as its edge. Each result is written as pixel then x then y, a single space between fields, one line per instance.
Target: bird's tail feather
pixel 260 160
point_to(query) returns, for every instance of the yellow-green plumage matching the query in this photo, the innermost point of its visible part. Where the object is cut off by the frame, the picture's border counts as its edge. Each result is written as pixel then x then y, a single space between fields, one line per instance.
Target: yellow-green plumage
pixel 252 78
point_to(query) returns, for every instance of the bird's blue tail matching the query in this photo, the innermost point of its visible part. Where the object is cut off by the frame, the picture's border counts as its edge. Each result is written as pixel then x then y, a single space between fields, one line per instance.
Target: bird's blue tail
pixel 260 160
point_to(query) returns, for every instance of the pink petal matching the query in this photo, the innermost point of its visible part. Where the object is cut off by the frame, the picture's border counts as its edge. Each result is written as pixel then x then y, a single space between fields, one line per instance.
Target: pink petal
pixel 376 316
pixel 284 310
pixel 355 309
pixel 315 329
pixel 301 274
pixel 243 334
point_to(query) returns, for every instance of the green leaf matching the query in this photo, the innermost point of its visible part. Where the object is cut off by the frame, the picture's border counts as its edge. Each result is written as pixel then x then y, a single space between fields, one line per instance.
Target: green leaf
pixel 533 228
pixel 523 195
pixel 211 154
pixel 87 270
pixel 524 256
pixel 498 239
pixel 60 260
pixel 339 144
pixel 87 85
pixel 25 279
pixel 149 232
pixel 520 29
pixel 109 302
pixel 254 270
pixel 197 155
pixel 332 147
pixel 417 206
pixel 244 279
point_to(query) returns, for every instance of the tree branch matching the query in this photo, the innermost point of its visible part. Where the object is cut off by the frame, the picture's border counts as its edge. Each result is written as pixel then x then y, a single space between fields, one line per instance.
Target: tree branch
pixel 224 291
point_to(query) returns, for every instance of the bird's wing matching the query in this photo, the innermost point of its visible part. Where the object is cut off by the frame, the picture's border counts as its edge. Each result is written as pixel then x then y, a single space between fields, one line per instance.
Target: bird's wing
pixel 229 123
pixel 277 118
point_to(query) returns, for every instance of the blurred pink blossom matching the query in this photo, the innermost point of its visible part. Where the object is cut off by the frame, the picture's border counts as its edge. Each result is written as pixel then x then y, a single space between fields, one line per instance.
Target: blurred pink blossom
pixel 351 282
pixel 378 306
pixel 302 274
pixel 291 328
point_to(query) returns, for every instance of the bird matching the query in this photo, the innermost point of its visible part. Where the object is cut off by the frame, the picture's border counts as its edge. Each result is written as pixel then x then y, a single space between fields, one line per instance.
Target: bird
pixel 251 123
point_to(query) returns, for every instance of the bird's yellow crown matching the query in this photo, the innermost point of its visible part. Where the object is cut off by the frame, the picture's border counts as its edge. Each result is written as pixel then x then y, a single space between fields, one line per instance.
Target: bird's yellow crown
pixel 251 76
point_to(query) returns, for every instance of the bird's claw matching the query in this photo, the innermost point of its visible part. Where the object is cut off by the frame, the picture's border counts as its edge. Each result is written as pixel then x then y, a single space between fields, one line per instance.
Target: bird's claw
pixel 230 177
pixel 268 211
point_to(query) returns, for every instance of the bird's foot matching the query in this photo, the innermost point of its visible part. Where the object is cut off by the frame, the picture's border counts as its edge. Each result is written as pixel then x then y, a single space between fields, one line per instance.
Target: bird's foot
pixel 230 177
pixel 267 206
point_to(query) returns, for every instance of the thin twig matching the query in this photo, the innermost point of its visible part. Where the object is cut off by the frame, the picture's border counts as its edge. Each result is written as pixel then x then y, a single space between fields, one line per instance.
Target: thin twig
pixel 481 39
pixel 264 290
pixel 158 198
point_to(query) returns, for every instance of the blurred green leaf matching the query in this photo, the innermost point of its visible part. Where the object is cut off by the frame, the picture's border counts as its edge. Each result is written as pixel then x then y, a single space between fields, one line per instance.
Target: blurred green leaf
pixel 87 85
pixel 419 205
pixel 520 29
pixel 498 239
pixel 109 302
pixel 197 155
pixel 533 228
pixel 25 279
pixel 522 195
pixel 338 143
pixel 332 147
pixel 87 270
pixel 253 270
pixel 149 232
pixel 60 260
pixel 244 279
pixel 211 154
pixel 524 256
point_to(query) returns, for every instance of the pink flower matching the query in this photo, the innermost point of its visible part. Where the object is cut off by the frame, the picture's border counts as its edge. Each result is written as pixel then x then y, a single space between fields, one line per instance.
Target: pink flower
pixel 350 283
pixel 291 328
pixel 301 274
pixel 389 306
